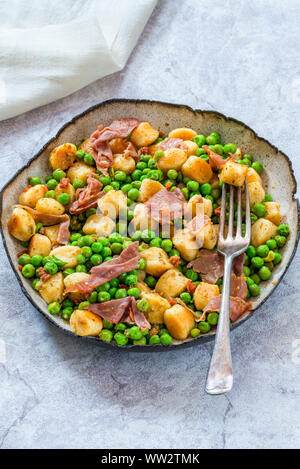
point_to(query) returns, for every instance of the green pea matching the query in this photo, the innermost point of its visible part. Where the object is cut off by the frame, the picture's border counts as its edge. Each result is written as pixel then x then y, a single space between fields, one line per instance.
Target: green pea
pixel 120 327
pixel 280 241
pixel 68 271
pixel 277 258
pixel 200 140
pixel 195 333
pixel 142 341
pixel 172 174
pixel 34 181
pixel 191 275
pixel 116 238
pixel 107 324
pixel 257 262
pixel 106 252
pixel 28 271
pixel 141 165
pixel 215 193
pixel 78 184
pixel 36 260
pixel 201 152
pixel 212 318
pixel 136 175
pixel 108 188
pixel 158 154
pixel 230 148
pixel 248 156
pixel 88 240
pixel 256 279
pixel 131 280
pixel 150 281
pixel 142 264
pixel 268 198
pixel 80 154
pixel 204 327
pixel 205 189
pixel 24 259
pixel 120 176
pixel 97 247
pixel 106 335
pixel 185 192
pixel 36 284
pixel 167 245
pixel 93 297
pixel 186 297
pixel 80 259
pixel 116 248
pixel 271 243
pixel 143 305
pixel 50 268
pixel 51 184
pixel 257 166
pixel 166 339
pixel 54 307
pixel 81 268
pixel 50 195
pixel 133 194
pixel 114 282
pixel 246 271
pixel 103 296
pixel 120 293
pixel 154 339
pixel 67 313
pixel 251 251
pixel 120 338
pixel 283 230
pixel 193 186
pixel 254 289
pixel 135 292
pixel 58 174
pixel 156 242
pixel 264 273
pixel 262 251
pixel 105 180
pixel 259 209
pixel 135 333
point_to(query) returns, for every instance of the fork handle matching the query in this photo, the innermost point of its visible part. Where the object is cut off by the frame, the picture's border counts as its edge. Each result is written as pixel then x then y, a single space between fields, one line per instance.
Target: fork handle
pixel 219 378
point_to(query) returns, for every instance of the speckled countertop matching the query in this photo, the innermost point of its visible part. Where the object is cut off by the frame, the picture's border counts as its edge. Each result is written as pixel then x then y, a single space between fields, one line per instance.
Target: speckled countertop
pixel 243 60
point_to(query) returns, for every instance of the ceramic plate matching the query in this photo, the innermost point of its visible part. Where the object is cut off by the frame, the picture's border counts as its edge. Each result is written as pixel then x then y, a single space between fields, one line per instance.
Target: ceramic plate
pixel 278 179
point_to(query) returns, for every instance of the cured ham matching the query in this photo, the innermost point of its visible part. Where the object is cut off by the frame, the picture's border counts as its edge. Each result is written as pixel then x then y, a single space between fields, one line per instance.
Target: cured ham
pixel 238 286
pixel 87 198
pixel 210 264
pixel 127 261
pixel 63 235
pixel 237 307
pixel 165 206
pixel 198 222
pixel 121 310
pixel 100 138
pixel 216 161
pixel 170 142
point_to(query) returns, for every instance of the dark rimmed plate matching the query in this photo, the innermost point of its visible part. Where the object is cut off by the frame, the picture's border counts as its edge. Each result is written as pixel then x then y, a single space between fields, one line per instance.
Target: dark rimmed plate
pixel 278 179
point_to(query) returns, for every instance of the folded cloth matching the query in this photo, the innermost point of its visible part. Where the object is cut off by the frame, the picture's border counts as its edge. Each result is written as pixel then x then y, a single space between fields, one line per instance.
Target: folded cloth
pixel 50 49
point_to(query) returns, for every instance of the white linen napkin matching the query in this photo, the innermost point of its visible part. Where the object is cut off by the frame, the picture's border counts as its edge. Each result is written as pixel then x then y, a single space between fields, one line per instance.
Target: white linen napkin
pixel 49 49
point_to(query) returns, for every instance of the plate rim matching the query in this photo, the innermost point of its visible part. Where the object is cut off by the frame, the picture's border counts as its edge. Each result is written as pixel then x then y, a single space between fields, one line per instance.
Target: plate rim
pixel 159 347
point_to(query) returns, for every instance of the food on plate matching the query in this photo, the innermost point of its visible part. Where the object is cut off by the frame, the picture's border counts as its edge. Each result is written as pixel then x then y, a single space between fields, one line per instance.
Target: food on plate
pixel 119 238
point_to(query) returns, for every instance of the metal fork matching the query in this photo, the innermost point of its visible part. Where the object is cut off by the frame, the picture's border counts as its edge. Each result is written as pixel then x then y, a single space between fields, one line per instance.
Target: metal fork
pixel 219 378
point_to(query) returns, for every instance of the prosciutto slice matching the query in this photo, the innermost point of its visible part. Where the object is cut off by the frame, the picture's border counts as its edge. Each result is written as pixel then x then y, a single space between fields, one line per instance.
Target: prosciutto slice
pixel 122 310
pixel 170 142
pixel 216 161
pixel 87 198
pixel 100 138
pixel 210 264
pixel 237 307
pixel 238 286
pixel 100 274
pixel 63 235
pixel 198 222
pixel 165 206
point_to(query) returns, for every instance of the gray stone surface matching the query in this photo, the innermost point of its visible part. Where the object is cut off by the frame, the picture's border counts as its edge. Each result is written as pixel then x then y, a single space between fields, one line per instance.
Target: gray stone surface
pixel 56 392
